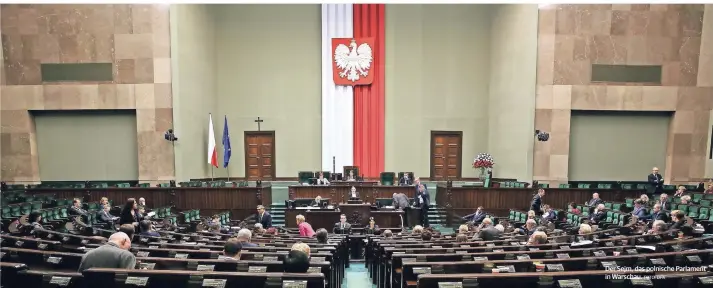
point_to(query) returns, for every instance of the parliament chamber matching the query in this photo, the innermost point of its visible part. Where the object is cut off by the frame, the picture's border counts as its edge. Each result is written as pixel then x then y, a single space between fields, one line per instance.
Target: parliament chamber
pixel 415 145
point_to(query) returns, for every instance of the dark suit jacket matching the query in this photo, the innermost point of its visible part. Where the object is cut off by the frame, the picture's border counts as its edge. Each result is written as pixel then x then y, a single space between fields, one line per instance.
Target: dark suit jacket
pixel 489 234
pixel 678 225
pixel 368 230
pixel 350 195
pixel 477 218
pixel 104 217
pixel 426 198
pixel 661 215
pixel 599 216
pixel 266 220
pixel 77 211
pixel 404 181
pixel 654 186
pixel 665 206
pixel 400 201
pixel 536 203
pixel 315 204
pixel 338 230
pixel 594 202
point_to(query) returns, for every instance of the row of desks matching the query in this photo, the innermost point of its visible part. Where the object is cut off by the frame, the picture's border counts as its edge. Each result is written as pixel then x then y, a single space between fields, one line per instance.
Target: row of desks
pixel 368 191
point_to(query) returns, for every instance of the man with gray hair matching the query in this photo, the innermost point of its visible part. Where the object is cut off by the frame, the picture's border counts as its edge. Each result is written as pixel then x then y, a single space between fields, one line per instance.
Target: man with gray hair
pixel 244 236
pixel 113 254
pixel 488 232
pixel 659 226
pixel 400 202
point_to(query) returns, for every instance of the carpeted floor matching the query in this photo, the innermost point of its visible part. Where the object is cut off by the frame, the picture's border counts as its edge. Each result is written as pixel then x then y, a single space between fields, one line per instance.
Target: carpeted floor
pixel 356 276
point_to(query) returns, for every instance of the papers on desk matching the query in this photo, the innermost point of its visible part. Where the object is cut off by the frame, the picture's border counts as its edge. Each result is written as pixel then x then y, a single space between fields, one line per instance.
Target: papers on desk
pixel 306 208
pixel 652 248
pixel 582 243
pixel 389 207
pixel 150 214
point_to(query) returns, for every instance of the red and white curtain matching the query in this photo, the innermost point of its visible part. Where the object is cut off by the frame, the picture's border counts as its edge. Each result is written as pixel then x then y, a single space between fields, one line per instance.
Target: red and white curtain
pixel 353 117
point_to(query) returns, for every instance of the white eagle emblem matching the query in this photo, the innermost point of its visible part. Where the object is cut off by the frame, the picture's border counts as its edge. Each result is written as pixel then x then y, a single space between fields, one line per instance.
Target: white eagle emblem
pixel 353 63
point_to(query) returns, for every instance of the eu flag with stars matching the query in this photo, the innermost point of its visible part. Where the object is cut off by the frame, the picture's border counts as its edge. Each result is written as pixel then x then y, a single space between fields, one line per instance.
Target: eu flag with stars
pixel 226 144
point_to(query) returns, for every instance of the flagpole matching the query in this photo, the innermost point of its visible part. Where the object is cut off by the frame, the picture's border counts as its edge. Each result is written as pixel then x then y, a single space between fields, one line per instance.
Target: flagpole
pixel 228 172
pixel 211 172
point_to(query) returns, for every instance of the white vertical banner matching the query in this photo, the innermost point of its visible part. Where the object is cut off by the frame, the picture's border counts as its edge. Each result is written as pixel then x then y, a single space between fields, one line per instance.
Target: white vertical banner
pixel 337 101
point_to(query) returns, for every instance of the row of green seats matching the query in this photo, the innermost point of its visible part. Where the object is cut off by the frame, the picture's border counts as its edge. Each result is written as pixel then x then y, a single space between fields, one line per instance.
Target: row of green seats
pixel 512 184
pixel 517 216
pixel 162 212
pixel 191 215
pixel 224 218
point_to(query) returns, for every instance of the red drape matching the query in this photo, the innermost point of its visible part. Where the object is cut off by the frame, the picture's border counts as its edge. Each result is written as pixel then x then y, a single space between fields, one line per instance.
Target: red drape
pixel 369 99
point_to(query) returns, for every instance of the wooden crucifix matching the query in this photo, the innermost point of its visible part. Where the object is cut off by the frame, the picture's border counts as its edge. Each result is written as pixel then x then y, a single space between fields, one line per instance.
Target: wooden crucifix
pixel 258 121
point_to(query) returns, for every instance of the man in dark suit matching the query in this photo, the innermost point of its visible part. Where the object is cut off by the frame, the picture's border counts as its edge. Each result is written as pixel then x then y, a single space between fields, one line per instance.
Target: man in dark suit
pixel 400 202
pixel 595 200
pixel 490 232
pixel 423 199
pixel 476 217
pixel 598 215
pixel 405 180
pixel 656 214
pixel 342 227
pixel 536 204
pixel 665 202
pixel 655 182
pixel 104 216
pixel 263 217
pixel 76 208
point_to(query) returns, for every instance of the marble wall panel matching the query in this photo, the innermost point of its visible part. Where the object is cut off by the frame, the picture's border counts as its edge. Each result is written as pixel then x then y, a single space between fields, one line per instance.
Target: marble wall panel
pixel 134 38
pixel 573 37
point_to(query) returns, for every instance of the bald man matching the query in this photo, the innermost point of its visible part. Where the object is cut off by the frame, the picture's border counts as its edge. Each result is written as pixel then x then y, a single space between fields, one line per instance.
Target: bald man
pixel 113 254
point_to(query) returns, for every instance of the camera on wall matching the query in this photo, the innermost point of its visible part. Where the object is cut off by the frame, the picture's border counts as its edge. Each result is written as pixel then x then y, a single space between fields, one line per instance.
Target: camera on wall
pixel 169 136
pixel 542 136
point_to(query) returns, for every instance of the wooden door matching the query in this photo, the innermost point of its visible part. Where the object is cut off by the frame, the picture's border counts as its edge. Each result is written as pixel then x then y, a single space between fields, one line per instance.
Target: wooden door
pixel 446 149
pixel 260 155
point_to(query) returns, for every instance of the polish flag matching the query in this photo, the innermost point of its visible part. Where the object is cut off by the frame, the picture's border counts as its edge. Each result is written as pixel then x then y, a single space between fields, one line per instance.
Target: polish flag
pixel 212 153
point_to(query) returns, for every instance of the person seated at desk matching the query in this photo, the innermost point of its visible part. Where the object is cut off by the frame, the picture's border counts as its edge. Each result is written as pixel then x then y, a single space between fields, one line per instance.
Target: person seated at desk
pixel 76 208
pixel 147 229
pixel 351 176
pixel 372 228
pixel 405 180
pixel 342 227
pixel 104 217
pixel 317 202
pixel 321 180
pixel 476 217
pixel 354 195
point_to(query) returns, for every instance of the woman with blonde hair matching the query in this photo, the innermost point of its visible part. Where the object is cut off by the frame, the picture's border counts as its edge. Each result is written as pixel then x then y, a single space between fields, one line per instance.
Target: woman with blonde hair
pixel 304 227
pixel 463 229
pixel 417 230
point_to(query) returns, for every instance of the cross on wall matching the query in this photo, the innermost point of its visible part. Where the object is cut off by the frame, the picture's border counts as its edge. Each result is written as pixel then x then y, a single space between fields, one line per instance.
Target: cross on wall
pixel 258 121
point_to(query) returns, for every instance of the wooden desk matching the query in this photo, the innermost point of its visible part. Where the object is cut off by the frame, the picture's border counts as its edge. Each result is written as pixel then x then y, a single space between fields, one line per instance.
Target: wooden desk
pixel 340 194
pixel 359 217
pixel 240 201
pixel 461 201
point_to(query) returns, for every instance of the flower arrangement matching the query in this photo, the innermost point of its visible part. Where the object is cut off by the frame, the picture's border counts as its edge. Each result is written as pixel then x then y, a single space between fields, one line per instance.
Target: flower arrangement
pixel 483 162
